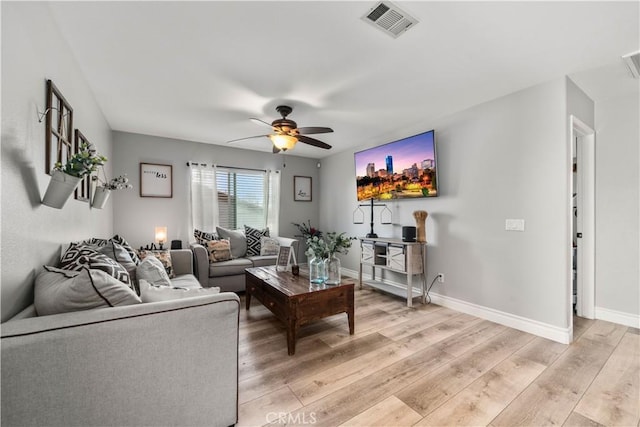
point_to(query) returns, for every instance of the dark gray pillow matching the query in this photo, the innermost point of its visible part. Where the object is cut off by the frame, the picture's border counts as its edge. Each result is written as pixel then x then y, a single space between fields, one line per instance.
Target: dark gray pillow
pixel 237 240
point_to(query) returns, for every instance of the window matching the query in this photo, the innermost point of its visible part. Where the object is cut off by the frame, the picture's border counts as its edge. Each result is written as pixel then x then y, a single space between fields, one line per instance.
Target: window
pixel 241 199
pixel 232 198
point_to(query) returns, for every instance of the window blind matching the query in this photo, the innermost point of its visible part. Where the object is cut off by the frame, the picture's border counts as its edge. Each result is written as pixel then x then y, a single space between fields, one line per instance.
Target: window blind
pixel 241 198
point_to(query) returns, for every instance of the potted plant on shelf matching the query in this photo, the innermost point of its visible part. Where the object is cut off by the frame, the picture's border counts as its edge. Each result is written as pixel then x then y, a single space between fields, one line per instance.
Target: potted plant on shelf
pixel 65 178
pixel 104 188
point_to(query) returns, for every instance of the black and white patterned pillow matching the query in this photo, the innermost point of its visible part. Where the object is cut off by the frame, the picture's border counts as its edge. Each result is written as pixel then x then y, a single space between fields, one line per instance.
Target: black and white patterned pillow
pixel 78 257
pixel 94 241
pixel 253 239
pixel 134 257
pixel 203 237
pixel 109 266
pixel 71 258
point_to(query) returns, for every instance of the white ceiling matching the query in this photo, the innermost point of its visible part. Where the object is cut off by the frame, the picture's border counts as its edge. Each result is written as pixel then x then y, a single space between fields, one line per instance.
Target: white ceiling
pixel 199 70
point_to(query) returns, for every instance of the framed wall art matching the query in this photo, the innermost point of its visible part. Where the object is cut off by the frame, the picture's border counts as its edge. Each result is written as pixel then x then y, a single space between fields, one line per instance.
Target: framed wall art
pixel 83 191
pixel 58 128
pixel 156 180
pixel 302 188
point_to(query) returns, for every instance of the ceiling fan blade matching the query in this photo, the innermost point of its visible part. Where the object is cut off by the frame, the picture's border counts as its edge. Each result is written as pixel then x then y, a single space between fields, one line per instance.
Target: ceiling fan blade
pixel 248 137
pixel 259 121
pixel 313 141
pixel 314 129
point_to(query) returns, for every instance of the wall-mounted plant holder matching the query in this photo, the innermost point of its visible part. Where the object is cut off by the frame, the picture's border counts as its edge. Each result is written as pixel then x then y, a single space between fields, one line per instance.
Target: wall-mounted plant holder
pixel 100 197
pixel 60 188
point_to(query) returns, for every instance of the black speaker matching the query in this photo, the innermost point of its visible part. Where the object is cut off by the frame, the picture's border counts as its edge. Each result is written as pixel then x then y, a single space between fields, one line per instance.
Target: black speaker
pixel 177 244
pixel 408 234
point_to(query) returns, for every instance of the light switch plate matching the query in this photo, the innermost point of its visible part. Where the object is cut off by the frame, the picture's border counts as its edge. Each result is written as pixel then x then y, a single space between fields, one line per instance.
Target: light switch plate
pixel 514 225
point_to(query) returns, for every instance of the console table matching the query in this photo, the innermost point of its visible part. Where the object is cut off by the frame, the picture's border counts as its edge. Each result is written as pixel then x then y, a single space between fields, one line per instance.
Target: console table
pixel 394 255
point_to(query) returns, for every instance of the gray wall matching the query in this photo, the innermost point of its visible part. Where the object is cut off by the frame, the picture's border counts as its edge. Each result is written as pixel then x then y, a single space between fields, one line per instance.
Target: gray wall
pixel 580 105
pixel 506 158
pixel 32 234
pixel 135 217
pixel 617 204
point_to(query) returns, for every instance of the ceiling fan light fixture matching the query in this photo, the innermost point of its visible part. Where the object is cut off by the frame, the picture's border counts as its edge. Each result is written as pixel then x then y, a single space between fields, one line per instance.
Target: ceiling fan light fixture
pixel 283 142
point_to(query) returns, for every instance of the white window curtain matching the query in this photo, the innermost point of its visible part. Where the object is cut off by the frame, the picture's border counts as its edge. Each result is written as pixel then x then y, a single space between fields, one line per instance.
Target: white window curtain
pixel 272 189
pixel 204 198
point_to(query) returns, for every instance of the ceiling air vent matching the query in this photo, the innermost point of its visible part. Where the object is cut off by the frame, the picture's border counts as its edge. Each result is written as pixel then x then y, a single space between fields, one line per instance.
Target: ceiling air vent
pixel 633 62
pixel 389 18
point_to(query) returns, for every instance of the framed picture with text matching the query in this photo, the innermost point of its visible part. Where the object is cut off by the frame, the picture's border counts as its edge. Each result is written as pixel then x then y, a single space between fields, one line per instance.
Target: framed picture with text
pixel 302 188
pixel 284 258
pixel 156 180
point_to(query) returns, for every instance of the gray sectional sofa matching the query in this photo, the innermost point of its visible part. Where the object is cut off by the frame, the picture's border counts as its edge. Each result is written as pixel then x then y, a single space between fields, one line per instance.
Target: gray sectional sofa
pixel 229 275
pixel 161 363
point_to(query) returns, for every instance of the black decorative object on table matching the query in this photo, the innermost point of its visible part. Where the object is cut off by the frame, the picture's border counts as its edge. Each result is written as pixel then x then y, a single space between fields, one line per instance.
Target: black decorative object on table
pixel 371 204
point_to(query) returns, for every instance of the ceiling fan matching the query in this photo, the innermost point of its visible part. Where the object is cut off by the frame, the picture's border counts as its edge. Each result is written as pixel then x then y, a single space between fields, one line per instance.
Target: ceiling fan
pixel 286 133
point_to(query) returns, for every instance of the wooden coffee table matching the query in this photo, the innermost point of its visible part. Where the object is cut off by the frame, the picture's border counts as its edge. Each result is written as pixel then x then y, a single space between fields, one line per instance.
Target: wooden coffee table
pixel 294 301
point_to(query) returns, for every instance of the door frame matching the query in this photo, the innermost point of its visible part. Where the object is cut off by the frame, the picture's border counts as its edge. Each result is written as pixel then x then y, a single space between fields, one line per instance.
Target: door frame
pixel 585 203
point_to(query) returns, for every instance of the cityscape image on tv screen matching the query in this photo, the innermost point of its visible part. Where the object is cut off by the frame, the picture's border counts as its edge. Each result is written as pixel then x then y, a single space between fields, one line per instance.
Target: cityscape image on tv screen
pixel 403 169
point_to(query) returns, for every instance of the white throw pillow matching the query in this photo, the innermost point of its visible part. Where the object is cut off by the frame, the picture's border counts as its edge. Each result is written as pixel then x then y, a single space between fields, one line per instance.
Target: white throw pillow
pixel 152 293
pixel 60 291
pixel 152 270
pixel 269 246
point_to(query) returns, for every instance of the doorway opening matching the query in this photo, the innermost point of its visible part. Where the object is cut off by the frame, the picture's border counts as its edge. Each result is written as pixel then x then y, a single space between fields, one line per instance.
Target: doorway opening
pixel 582 200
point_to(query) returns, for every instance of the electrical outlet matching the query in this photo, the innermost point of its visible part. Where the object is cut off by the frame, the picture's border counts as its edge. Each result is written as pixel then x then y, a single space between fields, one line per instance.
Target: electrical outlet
pixel 440 277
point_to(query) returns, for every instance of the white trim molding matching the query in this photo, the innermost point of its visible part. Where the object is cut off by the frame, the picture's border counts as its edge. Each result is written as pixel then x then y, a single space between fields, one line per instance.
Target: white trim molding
pixel 555 333
pixel 620 317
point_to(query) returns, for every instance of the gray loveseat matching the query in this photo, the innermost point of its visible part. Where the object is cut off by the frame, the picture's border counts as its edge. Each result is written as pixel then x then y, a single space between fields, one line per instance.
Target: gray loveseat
pixel 229 275
pixel 162 363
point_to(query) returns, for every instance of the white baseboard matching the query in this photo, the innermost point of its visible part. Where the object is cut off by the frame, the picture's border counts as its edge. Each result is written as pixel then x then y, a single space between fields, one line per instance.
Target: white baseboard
pixel 619 317
pixel 555 333
pixel 349 273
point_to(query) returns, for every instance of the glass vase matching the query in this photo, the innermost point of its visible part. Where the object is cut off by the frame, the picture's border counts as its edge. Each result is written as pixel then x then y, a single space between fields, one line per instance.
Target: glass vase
pixel 333 270
pixel 317 271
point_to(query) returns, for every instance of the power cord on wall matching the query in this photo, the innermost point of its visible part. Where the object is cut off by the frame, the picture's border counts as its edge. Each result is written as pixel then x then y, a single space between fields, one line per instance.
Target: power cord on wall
pixel 424 274
pixel 429 288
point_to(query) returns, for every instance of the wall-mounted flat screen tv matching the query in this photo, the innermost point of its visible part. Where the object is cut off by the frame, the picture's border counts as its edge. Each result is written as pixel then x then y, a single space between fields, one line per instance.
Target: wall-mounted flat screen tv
pixel 403 169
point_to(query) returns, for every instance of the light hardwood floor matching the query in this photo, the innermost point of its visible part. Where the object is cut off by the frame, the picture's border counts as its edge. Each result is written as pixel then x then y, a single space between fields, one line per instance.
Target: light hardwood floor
pixel 432 366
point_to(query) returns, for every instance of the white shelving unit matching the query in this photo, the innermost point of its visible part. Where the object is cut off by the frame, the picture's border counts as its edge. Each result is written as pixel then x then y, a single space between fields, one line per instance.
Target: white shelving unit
pixel 394 255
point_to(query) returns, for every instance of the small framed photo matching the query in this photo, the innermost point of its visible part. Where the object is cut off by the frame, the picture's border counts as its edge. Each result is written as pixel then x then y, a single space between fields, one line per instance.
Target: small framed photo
pixel 284 258
pixel 156 180
pixel 302 188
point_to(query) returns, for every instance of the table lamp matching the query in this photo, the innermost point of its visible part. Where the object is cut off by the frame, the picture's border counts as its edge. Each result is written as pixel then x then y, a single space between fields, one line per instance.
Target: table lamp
pixel 161 235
